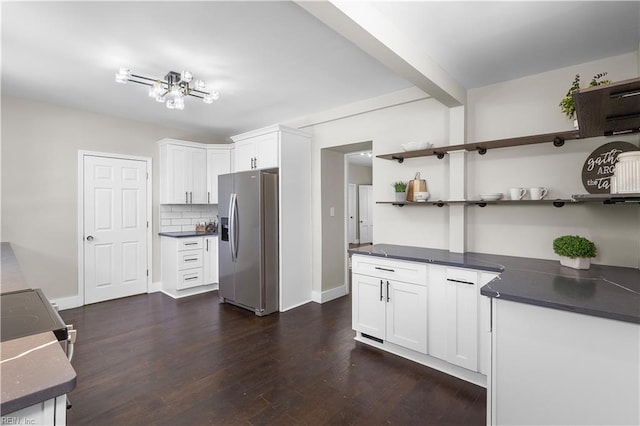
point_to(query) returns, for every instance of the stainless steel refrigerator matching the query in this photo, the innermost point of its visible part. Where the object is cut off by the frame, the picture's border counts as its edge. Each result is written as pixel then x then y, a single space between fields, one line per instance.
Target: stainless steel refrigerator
pixel 248 240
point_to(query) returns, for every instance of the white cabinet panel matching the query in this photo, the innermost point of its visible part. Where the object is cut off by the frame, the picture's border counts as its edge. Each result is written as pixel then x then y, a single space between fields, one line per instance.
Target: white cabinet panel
pixel 389 309
pixel 183 174
pixel 407 315
pixel 210 265
pixel 258 152
pixel 369 306
pixel 218 163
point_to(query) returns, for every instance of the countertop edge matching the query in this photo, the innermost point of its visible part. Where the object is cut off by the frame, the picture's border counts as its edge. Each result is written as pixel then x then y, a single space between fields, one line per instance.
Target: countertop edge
pixel 187 234
pixel 36 397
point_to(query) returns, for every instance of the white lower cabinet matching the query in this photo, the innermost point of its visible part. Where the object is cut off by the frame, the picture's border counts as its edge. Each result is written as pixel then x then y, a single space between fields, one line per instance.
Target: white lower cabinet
pixel 387 309
pixel 433 314
pixel 453 315
pixel 52 412
pixel 210 264
pixel 188 262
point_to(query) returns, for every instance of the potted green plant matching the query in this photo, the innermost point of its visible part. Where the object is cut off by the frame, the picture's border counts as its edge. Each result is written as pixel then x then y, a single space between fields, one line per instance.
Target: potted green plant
pixel 574 251
pixel 567 106
pixel 401 190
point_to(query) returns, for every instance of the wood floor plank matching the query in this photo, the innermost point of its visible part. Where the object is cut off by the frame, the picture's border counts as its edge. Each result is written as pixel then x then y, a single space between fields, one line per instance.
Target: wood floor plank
pixel 150 359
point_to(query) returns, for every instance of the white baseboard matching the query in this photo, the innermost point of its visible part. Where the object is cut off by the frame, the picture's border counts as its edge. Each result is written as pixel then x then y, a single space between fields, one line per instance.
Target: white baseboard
pixel 155 287
pixel 328 295
pixel 288 308
pixel 67 302
pixel 178 294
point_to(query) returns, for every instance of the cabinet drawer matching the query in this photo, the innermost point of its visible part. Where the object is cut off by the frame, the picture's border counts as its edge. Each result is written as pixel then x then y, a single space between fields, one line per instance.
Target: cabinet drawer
pixel 188 259
pixel 410 272
pixel 189 243
pixel 462 276
pixel 189 278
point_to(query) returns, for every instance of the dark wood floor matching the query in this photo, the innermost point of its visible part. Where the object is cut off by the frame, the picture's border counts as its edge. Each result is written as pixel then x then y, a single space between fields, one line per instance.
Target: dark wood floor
pixel 150 359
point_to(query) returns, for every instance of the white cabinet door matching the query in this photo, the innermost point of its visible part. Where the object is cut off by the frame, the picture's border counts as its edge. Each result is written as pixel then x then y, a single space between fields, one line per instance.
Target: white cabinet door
pixel 218 163
pixel 210 260
pixel 365 213
pixel 267 151
pixel 407 315
pixel 245 152
pixel 183 175
pixel 259 152
pixel 462 308
pixel 369 300
pixel 198 176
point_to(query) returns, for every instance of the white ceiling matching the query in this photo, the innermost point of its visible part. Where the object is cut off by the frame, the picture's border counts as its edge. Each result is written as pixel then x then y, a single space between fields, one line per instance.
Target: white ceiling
pixel 273 61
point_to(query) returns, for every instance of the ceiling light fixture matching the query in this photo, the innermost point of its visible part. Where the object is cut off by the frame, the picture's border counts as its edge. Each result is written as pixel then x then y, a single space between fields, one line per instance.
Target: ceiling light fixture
pixel 173 89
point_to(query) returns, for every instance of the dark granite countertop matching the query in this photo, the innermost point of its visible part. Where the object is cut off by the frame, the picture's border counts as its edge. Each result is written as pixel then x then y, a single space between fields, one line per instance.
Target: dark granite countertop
pixel 605 291
pixel 32 368
pixel 184 234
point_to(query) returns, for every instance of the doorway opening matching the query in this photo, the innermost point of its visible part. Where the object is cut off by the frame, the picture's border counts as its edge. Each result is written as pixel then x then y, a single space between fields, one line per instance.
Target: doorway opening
pixel 344 170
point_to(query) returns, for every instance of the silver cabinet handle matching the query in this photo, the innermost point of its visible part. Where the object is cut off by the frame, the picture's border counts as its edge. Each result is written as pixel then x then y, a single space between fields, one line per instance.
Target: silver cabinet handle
pixel 385 269
pixel 207 244
pixel 89 237
pixel 191 244
pixel 190 197
pixel 208 197
pixel 191 278
pixel 193 259
pixel 388 298
pixel 381 290
pixel 186 197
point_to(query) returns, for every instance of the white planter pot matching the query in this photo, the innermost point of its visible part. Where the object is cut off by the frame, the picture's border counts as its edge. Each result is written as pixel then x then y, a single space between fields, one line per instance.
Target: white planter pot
pixel 401 197
pixel 575 263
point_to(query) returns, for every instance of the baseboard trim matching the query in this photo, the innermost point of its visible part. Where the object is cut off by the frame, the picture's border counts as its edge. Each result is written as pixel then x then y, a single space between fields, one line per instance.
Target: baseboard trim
pixel 155 287
pixel 179 294
pixel 67 302
pixel 328 295
pixel 288 308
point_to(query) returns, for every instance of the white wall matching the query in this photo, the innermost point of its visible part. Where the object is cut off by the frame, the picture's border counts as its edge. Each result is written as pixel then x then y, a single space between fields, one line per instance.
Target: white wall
pixel 515 108
pixel 40 144
pixel 333 244
pixel 360 175
pixel 387 128
pixel 530 106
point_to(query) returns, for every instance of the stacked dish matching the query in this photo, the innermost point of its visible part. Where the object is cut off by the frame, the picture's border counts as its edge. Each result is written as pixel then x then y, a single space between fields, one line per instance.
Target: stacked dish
pixel 416 146
pixel 491 197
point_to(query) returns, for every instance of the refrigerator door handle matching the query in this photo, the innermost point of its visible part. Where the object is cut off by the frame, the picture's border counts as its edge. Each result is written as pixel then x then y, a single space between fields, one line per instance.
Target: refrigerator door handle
pixel 233 226
pixel 236 224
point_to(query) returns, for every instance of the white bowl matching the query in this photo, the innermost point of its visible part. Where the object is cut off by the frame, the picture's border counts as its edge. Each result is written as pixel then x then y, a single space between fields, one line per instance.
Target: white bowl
pixel 491 197
pixel 416 146
pixel 421 196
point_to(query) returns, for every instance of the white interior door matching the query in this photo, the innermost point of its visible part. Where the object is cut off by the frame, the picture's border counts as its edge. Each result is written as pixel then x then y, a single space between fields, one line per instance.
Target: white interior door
pixel 115 227
pixel 351 213
pixel 365 213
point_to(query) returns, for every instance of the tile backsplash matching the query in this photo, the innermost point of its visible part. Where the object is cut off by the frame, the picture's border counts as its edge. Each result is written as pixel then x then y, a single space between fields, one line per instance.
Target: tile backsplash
pixel 184 217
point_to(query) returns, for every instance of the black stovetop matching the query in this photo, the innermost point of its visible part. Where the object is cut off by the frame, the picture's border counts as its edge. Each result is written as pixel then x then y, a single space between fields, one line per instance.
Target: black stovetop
pixel 28 312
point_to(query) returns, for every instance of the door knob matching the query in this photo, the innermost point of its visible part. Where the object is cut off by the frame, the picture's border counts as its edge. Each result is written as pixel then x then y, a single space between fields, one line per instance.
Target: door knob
pixel 89 237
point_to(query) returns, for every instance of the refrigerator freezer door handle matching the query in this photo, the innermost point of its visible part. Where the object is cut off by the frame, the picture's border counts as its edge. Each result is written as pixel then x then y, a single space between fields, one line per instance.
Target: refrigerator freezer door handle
pixel 236 233
pixel 232 239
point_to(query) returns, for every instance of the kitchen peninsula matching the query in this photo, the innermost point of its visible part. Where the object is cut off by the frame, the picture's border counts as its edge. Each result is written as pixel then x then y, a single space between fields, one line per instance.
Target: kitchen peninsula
pixel 563 344
pixel 36 374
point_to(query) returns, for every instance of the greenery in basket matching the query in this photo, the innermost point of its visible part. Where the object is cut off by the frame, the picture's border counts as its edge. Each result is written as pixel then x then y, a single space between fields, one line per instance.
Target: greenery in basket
pixel 574 246
pixel 400 186
pixel 566 105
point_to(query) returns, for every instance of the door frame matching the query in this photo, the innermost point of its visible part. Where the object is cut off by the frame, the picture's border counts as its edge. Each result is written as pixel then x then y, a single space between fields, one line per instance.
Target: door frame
pixel 80 210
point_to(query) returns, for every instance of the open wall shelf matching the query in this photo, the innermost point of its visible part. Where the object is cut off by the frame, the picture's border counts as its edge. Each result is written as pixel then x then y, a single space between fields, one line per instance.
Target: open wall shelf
pixel 575 199
pixel 557 139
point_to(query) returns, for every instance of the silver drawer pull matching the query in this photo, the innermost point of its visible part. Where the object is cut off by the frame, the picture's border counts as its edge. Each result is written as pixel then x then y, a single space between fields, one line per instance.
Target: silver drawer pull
pixel 385 269
pixel 195 243
pixel 460 281
pixel 191 278
pixel 191 260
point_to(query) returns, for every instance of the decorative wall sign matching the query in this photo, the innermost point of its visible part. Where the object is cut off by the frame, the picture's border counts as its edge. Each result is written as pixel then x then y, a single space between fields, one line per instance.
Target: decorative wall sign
pixel 598 168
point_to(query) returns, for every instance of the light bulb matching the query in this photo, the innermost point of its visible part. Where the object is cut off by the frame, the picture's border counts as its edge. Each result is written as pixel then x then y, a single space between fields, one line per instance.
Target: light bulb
pixel 199 85
pixel 155 90
pixel 207 99
pixel 179 103
pixel 122 76
pixel 215 95
pixel 186 76
pixel 171 104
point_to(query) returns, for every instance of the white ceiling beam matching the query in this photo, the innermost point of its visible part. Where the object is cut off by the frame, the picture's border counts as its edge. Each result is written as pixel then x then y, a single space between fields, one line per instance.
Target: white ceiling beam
pixel 366 27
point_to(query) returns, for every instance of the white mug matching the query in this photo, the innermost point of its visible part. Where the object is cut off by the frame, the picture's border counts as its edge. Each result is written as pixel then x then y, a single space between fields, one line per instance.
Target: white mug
pixel 517 193
pixel 538 193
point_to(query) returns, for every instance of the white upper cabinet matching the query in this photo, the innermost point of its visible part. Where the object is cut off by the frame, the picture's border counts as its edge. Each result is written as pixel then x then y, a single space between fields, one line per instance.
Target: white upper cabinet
pixel 183 173
pixel 218 163
pixel 257 152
